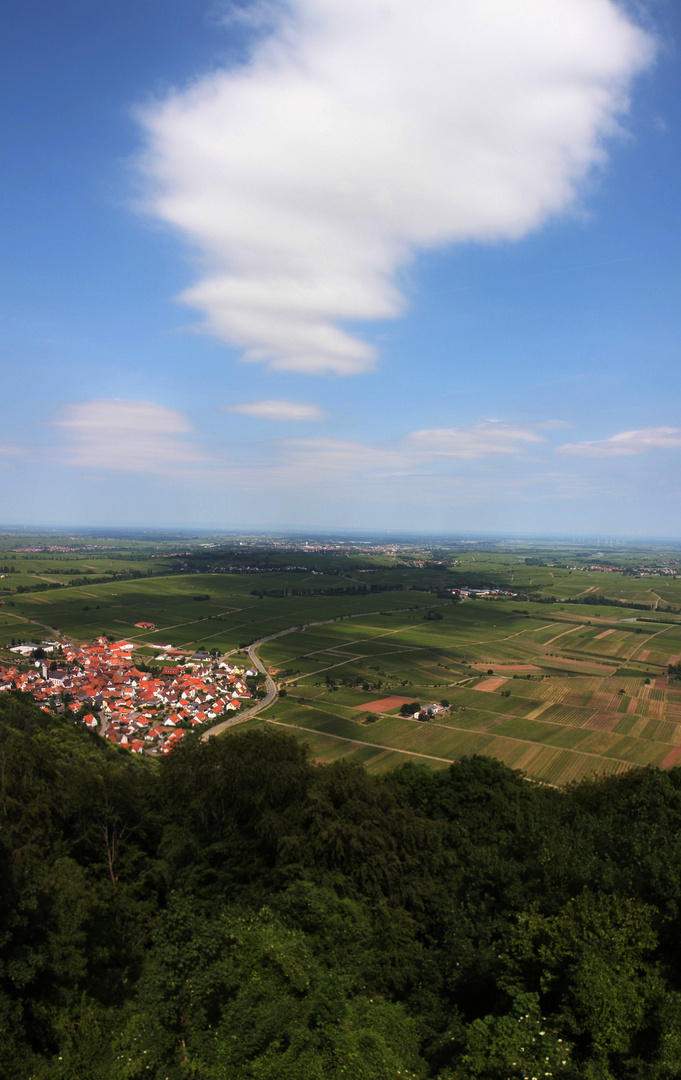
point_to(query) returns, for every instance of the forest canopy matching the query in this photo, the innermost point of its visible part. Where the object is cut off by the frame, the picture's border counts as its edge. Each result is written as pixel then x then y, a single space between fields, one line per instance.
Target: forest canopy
pixel 235 912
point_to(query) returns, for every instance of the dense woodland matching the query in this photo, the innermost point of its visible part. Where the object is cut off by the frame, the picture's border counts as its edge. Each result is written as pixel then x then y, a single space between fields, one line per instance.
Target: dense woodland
pixel 235 912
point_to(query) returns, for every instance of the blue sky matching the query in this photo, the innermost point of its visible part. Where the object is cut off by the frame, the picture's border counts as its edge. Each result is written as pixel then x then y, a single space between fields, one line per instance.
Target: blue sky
pixel 342 263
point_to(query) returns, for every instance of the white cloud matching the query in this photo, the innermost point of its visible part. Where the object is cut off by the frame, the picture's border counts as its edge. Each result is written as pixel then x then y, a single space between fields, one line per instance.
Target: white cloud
pixel 279 410
pixel 416 455
pixel 627 442
pixel 314 461
pixel 490 437
pixel 129 436
pixel 143 437
pixel 363 130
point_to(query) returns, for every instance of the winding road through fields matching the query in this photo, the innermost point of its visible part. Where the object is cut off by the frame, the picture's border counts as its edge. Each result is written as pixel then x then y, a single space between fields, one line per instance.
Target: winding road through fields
pixel 269 699
pixel 272 692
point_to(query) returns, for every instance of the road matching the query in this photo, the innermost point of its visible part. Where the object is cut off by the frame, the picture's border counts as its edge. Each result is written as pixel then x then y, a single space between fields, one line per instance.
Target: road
pixel 272 692
pixel 269 699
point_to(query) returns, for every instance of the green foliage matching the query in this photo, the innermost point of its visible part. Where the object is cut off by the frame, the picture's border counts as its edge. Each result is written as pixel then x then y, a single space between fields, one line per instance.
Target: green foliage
pixel 590 962
pixel 235 912
pixel 520 1044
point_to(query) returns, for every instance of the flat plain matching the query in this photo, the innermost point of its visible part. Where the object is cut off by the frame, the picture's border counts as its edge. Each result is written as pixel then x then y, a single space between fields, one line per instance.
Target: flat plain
pixel 570 672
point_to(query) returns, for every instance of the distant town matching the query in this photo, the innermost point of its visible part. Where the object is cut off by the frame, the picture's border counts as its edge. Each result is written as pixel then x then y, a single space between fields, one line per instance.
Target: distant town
pixel 633 571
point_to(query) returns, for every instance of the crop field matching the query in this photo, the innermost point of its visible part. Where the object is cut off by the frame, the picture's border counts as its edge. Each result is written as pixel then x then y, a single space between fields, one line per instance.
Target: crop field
pixel 541 751
pixel 565 675
pixel 533 729
pixel 555 727
pixel 212 611
pixel 386 705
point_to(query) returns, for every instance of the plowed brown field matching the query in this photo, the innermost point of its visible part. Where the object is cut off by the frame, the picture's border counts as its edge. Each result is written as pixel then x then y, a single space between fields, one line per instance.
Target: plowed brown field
pixel 490 684
pixel 385 704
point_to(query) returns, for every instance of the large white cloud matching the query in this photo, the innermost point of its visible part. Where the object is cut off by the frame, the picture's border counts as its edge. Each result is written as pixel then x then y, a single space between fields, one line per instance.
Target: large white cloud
pixel 363 130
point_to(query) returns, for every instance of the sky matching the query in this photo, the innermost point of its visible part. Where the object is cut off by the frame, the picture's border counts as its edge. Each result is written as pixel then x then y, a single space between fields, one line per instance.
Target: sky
pixel 342 264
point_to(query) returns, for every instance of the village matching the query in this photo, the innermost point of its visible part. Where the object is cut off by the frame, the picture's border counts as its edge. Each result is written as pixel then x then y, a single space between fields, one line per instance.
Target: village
pixel 142 711
pixel 667 570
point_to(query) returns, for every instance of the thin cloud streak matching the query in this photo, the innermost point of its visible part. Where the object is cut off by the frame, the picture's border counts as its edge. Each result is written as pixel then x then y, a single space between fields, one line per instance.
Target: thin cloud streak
pixel 627 443
pixel 363 131
pixel 416 455
pixel 280 410
pixel 490 437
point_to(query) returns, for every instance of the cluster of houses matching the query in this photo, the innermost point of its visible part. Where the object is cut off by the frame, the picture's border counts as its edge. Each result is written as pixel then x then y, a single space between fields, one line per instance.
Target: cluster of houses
pixel 599 568
pixel 465 593
pixel 427 712
pixel 669 570
pixel 133 708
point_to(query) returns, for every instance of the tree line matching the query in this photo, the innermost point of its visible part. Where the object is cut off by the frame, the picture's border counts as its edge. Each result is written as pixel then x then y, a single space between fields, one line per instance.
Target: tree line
pixel 340 590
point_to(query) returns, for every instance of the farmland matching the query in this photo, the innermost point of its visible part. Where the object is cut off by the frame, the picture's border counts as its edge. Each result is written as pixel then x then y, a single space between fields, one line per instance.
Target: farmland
pixel 569 671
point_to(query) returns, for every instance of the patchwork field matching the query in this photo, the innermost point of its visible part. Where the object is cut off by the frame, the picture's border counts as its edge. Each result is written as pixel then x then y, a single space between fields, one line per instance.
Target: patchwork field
pixel 557 719
pixel 549 739
pixel 571 672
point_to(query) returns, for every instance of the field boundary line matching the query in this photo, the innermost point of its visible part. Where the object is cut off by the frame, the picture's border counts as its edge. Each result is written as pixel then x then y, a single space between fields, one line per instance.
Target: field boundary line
pixel 359 742
pixel 461 731
pixel 572 631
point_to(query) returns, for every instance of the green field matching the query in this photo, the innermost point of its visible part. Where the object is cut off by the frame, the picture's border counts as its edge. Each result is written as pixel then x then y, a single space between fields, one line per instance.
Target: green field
pixel 575 652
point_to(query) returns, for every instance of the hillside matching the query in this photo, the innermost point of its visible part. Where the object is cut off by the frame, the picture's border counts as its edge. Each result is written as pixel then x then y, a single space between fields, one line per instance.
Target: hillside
pixel 235 911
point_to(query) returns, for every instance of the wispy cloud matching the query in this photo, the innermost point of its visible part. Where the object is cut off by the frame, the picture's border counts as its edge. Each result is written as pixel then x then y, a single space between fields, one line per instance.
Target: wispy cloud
pixel 315 461
pixel 128 436
pixel 11 453
pixel 467 462
pixel 249 15
pixel 144 437
pixel 418 454
pixel 627 442
pixel 280 410
pixel 363 130
pixel 489 437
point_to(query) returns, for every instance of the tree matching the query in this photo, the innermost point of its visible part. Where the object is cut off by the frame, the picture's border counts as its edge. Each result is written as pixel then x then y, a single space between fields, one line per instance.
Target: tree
pixel 520 1044
pixel 590 963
